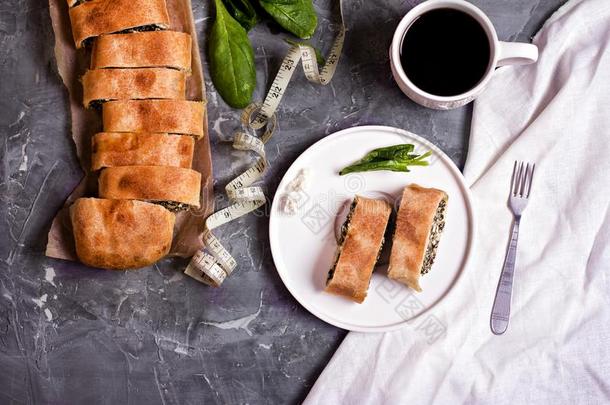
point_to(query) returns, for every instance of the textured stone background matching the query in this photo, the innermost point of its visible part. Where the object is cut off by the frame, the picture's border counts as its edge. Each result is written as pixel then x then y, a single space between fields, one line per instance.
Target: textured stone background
pixel 73 335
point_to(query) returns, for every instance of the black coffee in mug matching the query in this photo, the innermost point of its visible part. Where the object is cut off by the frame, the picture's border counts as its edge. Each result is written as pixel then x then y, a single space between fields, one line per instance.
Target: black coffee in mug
pixel 445 52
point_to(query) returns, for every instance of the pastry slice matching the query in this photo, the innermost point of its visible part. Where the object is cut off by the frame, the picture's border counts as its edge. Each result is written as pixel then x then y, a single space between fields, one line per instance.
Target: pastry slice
pixel 96 17
pixel 168 116
pixel 141 149
pixel 419 224
pixel 168 49
pixel 359 248
pixel 173 187
pixel 102 85
pixel 120 234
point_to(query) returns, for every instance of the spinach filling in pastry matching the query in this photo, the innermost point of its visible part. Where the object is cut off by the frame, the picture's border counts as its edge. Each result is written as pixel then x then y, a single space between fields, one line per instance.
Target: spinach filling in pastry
pixel 438 224
pixel 419 225
pixel 173 206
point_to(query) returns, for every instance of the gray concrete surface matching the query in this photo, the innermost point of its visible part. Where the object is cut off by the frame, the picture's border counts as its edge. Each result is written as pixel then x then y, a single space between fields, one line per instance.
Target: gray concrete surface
pixel 74 335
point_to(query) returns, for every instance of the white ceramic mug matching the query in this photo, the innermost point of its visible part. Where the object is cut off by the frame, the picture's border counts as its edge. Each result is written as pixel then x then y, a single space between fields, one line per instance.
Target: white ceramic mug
pixel 501 54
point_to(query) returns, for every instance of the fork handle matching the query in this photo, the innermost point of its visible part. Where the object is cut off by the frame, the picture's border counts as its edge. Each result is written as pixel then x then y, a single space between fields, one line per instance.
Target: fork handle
pixel 500 312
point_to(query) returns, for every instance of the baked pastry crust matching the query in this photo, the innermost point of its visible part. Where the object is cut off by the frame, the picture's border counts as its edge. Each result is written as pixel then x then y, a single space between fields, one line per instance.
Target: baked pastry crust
pixel 141 149
pixel 360 249
pixel 101 85
pixel 167 116
pixel 413 223
pixel 151 183
pixel 169 49
pixel 120 234
pixel 96 17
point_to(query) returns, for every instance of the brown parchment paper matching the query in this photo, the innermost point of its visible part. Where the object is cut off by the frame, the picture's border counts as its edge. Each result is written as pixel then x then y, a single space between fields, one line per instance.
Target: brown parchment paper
pixel 72 64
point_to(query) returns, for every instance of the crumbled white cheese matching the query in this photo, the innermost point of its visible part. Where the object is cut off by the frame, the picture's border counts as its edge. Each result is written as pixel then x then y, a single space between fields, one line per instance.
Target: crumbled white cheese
pixel 300 182
pixel 288 205
pixel 289 202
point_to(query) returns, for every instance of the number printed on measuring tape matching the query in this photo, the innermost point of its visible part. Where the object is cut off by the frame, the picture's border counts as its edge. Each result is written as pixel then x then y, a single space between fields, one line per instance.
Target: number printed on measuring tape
pixel 214 264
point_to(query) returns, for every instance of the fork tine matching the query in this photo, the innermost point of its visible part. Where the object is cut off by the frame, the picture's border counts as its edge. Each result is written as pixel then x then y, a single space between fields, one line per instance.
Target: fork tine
pixel 524 181
pixel 529 186
pixel 518 180
pixel 513 178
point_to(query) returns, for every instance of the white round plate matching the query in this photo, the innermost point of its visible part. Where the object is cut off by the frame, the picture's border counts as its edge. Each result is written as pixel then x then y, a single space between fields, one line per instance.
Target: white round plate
pixel 303 245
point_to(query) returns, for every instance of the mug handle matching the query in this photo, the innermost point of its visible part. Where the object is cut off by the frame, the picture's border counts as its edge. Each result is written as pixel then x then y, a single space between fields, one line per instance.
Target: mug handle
pixel 516 53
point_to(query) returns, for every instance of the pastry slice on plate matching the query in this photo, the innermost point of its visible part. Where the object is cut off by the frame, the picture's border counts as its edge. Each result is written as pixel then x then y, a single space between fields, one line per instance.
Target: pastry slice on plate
pixel 359 248
pixel 141 149
pixel 101 85
pixel 167 116
pixel 419 224
pixel 168 49
pixel 173 187
pixel 120 234
pixel 97 17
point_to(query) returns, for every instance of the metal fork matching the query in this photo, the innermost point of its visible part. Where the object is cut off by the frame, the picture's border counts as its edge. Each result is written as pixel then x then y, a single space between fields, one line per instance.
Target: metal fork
pixel 520 187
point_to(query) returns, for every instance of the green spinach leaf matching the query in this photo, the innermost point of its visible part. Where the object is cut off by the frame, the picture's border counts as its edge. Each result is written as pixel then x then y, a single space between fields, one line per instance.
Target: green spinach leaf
pixel 244 12
pixel 282 1
pixel 231 59
pixel 299 17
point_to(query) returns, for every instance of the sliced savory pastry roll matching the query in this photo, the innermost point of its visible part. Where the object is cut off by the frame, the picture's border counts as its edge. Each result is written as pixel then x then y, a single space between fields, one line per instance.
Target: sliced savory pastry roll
pixel 120 234
pixel 102 85
pixel 141 149
pixel 419 224
pixel 173 187
pixel 359 248
pixel 168 116
pixel 168 49
pixel 96 17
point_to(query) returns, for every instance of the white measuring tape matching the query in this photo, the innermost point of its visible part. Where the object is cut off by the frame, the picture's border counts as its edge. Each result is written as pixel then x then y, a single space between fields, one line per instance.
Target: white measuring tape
pixel 214 267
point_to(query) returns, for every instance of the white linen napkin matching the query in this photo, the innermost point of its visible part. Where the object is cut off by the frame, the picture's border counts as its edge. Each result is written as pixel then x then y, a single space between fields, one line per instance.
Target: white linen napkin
pixel 557 347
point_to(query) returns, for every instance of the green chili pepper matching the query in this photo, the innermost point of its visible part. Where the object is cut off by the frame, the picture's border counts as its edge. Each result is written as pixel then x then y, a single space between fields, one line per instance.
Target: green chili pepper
pixel 391 165
pixel 388 153
pixel 395 158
